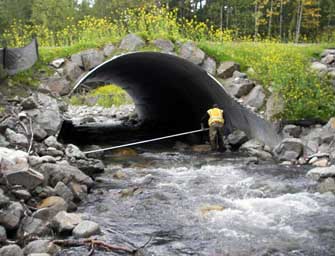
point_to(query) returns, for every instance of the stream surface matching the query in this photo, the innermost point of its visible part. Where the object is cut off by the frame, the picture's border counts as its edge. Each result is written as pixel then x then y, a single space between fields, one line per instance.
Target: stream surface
pixel 209 204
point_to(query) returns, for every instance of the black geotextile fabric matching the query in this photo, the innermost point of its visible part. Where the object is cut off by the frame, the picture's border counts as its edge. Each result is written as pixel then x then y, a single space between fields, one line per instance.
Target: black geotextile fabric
pixel 14 60
pixel 176 93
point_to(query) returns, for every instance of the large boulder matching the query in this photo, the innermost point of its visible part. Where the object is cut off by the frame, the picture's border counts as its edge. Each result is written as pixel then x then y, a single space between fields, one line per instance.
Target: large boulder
pixel 13 160
pixel 226 69
pixel 237 138
pixel 256 148
pixel 11 250
pixel 164 45
pixel 192 53
pixel 289 149
pixel 108 50
pixel 30 179
pixel 88 59
pixel 274 106
pixel 72 70
pixel 209 65
pixel 241 87
pixel 320 173
pixel 131 42
pixel 256 97
pixel 58 86
pixel 16 138
pixel 319 67
pixel 86 229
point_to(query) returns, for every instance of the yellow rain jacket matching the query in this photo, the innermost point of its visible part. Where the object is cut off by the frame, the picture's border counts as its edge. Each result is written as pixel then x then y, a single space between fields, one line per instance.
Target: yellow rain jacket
pixel 215 116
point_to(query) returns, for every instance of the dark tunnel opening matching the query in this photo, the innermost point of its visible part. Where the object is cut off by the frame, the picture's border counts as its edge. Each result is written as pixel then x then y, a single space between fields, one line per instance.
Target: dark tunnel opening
pixel 171 95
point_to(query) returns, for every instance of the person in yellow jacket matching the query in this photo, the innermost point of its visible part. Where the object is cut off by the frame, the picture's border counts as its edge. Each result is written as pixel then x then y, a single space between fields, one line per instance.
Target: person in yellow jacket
pixel 215 117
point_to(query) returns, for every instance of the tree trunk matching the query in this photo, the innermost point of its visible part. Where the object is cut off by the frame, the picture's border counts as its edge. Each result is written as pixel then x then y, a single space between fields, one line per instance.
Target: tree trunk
pixel 281 21
pixel 221 17
pixel 300 11
pixel 270 19
pixel 256 20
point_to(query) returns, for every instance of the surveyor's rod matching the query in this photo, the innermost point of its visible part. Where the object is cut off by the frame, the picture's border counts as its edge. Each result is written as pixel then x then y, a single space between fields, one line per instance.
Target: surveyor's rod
pixel 144 141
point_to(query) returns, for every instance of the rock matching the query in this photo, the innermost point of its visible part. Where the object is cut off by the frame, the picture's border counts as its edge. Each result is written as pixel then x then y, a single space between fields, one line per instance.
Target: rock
pixel 237 138
pixel 29 179
pixel 108 50
pixel 274 106
pixel 97 155
pixel 3 235
pixel 319 67
pixel 261 154
pixel 164 45
pixel 86 229
pixel 11 250
pixel 328 59
pixel 54 202
pixel 289 149
pixel 39 133
pixel 3 141
pixel 227 68
pixel 192 53
pixel 209 65
pixel 89 166
pixel 323 162
pixel 91 58
pixel 238 74
pixel 51 141
pixel 31 226
pixel 44 192
pixel 79 191
pixel 22 194
pixel 291 130
pixel 57 63
pixel 41 246
pixel 72 71
pixel 241 88
pixel 10 217
pixel 13 160
pixel 29 103
pixel 326 52
pixel 4 200
pixel 331 124
pixel 327 185
pixel 48 115
pixel 58 86
pixel 319 173
pixel 65 173
pixel 16 138
pixel 252 144
pixel 35 160
pixel 201 148
pixel 256 97
pixel 131 42
pixel 73 151
pixel 207 209
pixel 51 152
pixel 65 222
pixel 63 191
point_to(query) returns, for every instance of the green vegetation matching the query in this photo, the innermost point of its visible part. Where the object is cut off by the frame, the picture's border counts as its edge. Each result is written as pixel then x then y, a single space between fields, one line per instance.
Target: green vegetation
pixel 105 96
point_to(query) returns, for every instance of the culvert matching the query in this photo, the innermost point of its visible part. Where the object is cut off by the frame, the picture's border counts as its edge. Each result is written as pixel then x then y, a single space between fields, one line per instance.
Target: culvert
pixel 171 95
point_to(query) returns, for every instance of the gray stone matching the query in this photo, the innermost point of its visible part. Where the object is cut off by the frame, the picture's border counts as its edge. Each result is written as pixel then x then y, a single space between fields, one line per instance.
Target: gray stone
pixel 51 141
pixel 256 97
pixel 11 250
pixel 237 138
pixel 72 71
pixel 241 88
pixel 41 246
pixel 36 160
pixel 108 50
pixel 57 63
pixel 86 229
pixel 328 59
pixel 132 42
pixel 16 138
pixel 238 74
pixel 11 216
pixel 319 173
pixel 227 68
pixel 289 149
pixel 253 144
pixel 192 53
pixel 29 103
pixel 3 235
pixel 73 151
pixel 50 151
pixel 326 52
pixel 164 45
pixel 3 141
pixel 319 67
pixel 291 130
pixel 91 58
pixel 327 185
pixel 13 160
pixel 29 179
pixel 65 173
pixel 79 191
pixel 89 166
pixel 4 200
pixel 39 133
pixel 209 65
pixel 22 194
pixel 58 86
pixel 274 106
pixel 261 154
pixel 63 191
pixel 65 222
pixel 77 60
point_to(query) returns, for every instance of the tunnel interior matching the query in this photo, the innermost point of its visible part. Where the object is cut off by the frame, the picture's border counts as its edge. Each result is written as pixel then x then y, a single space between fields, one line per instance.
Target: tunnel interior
pixel 170 93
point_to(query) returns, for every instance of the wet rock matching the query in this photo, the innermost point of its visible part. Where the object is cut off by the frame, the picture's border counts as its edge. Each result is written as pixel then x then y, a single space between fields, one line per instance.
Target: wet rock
pixel 164 45
pixel 72 70
pixel 10 217
pixel 65 222
pixel 97 155
pixel 86 229
pixel 192 53
pixel 241 88
pixel 3 141
pixel 41 246
pixel 319 173
pixel 274 106
pixel 3 235
pixel 108 50
pixel 11 250
pixel 64 172
pixel 237 138
pixel 57 63
pixel 73 151
pixel 22 194
pixel 209 65
pixel 16 138
pixel 79 191
pixel 4 200
pixel 131 42
pixel 291 130
pixel 31 226
pixel 89 166
pixel 201 148
pixel 45 191
pixel 261 154
pixel 289 149
pixel 29 103
pixel 63 191
pixel 51 141
pixel 227 68
pixel 49 207
pixel 50 151
pixel 328 59
pixel 256 148
pixel 256 97
pixel 13 160
pixel 29 179
pixel 319 67
pixel 327 185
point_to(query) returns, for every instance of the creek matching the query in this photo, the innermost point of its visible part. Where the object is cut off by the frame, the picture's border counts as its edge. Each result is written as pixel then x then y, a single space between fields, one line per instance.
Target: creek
pixel 209 204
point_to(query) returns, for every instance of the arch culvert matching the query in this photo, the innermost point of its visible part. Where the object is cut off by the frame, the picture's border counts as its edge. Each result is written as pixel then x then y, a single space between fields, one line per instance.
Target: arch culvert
pixel 171 95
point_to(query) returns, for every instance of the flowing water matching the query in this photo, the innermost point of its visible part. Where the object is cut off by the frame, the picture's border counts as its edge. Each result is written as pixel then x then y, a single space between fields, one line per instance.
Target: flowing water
pixel 210 204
